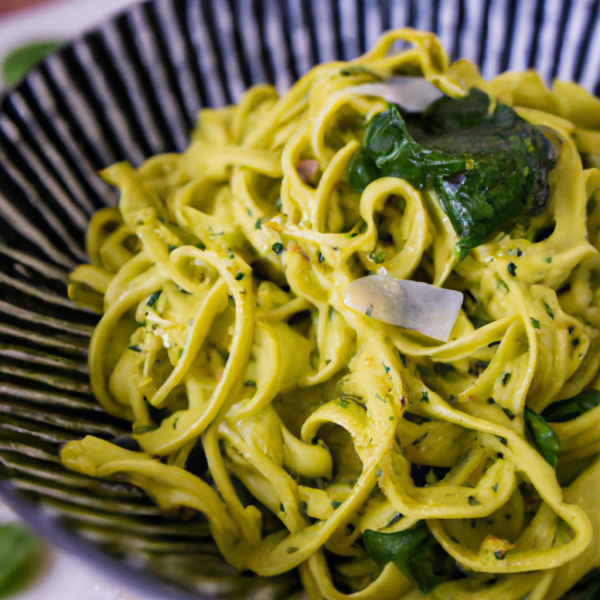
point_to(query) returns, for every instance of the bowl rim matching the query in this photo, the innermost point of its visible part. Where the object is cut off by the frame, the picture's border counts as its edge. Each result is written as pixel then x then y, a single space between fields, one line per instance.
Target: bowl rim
pixel 48 527
pixel 41 519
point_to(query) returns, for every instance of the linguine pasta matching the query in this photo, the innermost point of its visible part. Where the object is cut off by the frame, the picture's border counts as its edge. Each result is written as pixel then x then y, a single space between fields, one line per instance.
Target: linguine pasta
pixel 382 463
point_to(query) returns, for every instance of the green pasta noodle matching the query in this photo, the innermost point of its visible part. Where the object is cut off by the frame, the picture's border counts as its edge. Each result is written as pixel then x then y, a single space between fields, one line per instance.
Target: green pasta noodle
pixel 380 462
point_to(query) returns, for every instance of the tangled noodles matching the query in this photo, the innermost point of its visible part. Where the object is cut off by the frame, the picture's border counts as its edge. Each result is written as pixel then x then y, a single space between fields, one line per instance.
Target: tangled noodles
pixel 369 454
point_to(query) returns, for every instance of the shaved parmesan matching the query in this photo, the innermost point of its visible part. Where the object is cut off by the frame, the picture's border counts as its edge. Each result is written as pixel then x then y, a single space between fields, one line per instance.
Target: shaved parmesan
pixel 417 306
pixel 413 94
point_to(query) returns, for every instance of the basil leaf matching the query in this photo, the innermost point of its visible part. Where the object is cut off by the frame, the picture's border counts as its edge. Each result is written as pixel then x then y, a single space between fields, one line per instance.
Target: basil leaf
pixel 569 409
pixel 540 434
pixel 21 60
pixel 17 549
pixel 487 167
pixel 415 552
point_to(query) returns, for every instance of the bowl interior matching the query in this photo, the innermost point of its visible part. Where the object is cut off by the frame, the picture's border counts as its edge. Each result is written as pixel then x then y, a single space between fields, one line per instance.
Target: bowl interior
pixel 125 91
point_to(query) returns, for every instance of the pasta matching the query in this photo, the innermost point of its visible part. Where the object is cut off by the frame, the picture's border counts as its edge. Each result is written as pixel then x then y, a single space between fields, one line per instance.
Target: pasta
pixel 380 462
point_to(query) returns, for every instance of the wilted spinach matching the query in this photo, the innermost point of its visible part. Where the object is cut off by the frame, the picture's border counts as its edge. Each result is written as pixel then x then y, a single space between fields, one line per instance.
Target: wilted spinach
pixel 486 166
pixel 565 410
pixel 541 435
pixel 415 552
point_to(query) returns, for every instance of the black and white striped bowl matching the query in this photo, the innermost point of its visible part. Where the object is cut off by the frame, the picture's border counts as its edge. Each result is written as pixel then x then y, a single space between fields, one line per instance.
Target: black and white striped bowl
pixel 130 89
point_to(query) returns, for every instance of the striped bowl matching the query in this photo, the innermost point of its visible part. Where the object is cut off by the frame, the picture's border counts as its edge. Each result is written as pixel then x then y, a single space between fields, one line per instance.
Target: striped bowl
pixel 130 89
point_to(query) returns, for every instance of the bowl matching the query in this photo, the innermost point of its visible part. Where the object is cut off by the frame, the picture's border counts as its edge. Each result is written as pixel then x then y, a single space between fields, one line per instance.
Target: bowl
pixel 130 89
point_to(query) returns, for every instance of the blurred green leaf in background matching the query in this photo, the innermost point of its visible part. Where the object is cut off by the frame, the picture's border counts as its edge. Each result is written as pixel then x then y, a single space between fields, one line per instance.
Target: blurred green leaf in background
pixel 22 59
pixel 19 557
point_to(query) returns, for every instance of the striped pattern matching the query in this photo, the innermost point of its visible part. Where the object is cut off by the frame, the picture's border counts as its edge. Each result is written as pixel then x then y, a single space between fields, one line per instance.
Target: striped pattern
pixel 130 89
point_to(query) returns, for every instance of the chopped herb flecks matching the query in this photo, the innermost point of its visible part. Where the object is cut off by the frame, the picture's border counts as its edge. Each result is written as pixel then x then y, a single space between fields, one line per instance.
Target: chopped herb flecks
pixel 377 256
pixel 424 370
pixel 501 285
pixel 403 359
pixel 153 298
pixel 419 440
pixel 509 413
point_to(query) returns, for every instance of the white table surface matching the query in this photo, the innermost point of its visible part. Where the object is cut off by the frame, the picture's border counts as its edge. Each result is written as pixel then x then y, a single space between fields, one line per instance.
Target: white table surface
pixel 62 576
pixel 66 577
pixel 54 20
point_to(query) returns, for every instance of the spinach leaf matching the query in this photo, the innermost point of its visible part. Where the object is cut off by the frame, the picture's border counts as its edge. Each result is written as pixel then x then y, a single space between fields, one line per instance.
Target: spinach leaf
pixel 21 60
pixel 486 166
pixel 17 549
pixel 565 410
pixel 540 434
pixel 389 150
pixel 415 552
